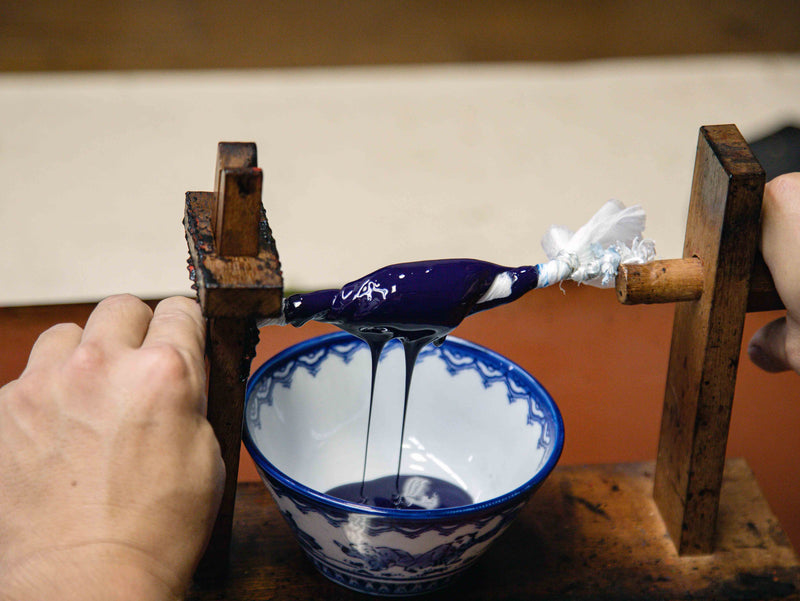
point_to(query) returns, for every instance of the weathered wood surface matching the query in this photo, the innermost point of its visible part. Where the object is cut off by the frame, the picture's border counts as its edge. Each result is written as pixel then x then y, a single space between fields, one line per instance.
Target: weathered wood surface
pixel 238 212
pixel 229 349
pixel 233 155
pixel 237 276
pixel 722 230
pixel 231 286
pixel 590 532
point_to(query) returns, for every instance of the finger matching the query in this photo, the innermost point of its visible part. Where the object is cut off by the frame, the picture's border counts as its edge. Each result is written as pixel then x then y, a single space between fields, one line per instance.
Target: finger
pixel 178 322
pixel 767 347
pixel 53 346
pixel 780 244
pixel 118 321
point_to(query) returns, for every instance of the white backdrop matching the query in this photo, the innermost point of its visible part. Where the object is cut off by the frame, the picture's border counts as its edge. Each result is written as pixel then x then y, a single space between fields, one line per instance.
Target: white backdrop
pixel 362 166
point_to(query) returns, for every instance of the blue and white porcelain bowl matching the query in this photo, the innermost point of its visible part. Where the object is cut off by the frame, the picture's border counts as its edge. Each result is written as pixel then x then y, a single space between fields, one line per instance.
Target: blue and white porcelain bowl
pixel 475 419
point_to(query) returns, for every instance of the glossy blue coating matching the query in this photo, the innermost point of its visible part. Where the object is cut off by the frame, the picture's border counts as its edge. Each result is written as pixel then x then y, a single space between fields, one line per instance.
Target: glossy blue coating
pixel 413 492
pixel 423 300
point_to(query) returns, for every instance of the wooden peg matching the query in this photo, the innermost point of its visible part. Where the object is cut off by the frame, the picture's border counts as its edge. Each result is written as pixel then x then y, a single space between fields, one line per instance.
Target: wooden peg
pixel 238 279
pixel 676 280
pixel 231 155
pixel 238 208
pixel 668 281
pixel 722 231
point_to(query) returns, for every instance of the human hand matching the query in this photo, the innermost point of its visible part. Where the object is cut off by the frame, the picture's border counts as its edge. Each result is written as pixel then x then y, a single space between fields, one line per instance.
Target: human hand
pixel 111 475
pixel 776 346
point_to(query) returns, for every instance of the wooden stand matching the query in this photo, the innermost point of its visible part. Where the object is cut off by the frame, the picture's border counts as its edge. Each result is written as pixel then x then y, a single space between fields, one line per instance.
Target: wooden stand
pixel 722 231
pixel 237 274
pixel 714 281
pixel 598 531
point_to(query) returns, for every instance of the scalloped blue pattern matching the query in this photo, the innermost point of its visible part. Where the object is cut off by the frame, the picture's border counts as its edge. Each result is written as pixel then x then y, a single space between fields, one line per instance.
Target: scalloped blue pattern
pixel 456 358
pixel 284 373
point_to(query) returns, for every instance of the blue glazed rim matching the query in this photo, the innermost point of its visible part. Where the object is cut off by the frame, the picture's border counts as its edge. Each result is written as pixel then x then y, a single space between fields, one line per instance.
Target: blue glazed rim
pixel 302 348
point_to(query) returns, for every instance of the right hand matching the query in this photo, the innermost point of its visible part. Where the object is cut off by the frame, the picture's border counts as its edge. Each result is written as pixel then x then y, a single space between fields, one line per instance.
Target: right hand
pixel 776 346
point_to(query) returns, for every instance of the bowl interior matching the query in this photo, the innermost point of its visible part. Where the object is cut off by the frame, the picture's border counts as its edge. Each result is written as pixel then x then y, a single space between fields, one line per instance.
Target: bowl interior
pixel 474 419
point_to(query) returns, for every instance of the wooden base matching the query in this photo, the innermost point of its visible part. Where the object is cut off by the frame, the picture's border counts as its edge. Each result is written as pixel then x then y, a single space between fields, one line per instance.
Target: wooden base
pixel 590 532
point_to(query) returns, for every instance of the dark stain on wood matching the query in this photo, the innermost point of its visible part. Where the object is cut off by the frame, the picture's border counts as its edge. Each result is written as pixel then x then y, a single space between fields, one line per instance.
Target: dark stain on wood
pixel 595 508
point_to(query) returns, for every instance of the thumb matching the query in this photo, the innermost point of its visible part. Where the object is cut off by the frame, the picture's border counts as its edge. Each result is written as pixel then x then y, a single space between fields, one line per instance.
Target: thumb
pixel 776 346
pixel 767 347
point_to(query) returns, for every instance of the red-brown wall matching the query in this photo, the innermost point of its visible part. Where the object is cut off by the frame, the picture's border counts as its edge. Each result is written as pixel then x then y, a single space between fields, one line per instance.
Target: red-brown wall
pixel 604 363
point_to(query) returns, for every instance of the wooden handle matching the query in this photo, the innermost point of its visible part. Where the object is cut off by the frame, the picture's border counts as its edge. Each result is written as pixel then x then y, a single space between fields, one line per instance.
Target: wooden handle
pixel 677 280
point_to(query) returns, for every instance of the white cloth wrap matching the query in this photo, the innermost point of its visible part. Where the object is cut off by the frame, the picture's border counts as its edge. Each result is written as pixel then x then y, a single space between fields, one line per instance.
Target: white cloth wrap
pixel 593 254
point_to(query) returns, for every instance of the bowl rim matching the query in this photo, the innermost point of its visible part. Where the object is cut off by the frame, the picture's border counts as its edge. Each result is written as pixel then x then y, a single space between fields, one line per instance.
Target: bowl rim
pixel 403 514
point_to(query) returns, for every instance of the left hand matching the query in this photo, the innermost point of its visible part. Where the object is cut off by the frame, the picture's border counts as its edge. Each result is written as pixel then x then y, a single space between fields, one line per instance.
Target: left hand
pixel 111 475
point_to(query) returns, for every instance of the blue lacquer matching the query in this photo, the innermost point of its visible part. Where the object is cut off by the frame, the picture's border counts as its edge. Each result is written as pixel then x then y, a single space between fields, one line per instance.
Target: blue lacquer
pixel 416 493
pixel 425 299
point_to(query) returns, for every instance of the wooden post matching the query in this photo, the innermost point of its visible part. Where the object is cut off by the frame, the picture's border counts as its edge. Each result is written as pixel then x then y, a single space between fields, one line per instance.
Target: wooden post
pixel 227 345
pixel 231 155
pixel 722 231
pixel 238 279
